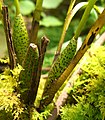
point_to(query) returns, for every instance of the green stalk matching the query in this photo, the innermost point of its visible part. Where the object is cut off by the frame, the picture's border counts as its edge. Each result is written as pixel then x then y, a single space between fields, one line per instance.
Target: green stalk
pixel 70 15
pixel 17 7
pixel 38 10
pixel 67 21
pixel 35 22
pixel 84 18
pixel 71 6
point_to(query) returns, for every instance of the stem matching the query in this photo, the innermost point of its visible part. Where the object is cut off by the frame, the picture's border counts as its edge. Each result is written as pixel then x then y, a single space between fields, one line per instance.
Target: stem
pixel 68 19
pixel 17 7
pixel 9 41
pixel 35 22
pixel 38 10
pixel 65 27
pixel 71 6
pixel 63 96
pixel 84 18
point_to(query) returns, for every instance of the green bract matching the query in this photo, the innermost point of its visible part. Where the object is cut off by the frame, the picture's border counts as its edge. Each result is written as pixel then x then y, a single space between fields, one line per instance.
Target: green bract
pixel 56 71
pixel 63 61
pixel 20 38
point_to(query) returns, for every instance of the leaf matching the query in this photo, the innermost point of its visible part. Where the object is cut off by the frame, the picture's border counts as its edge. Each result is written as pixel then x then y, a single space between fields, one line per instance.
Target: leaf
pixel 51 4
pixel 26 7
pixel 50 21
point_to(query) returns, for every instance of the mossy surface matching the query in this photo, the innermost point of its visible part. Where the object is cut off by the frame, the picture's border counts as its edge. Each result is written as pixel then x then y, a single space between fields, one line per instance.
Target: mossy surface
pixel 89 90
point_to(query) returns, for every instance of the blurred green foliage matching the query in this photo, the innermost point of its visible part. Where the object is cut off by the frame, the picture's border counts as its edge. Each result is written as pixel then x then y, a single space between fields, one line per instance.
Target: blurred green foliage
pixel 49 4
pixel 26 7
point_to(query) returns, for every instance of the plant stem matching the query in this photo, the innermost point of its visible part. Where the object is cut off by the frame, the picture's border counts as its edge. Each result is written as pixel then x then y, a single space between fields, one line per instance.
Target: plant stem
pixel 17 7
pixel 53 82
pixel 68 19
pixel 70 15
pixel 65 27
pixel 84 18
pixel 9 41
pixel 71 6
pixel 63 96
pixel 35 22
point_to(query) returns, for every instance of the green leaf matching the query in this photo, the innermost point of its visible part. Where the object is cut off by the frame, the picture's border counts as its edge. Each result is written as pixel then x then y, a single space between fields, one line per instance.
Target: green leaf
pixel 50 21
pixel 51 4
pixel 26 7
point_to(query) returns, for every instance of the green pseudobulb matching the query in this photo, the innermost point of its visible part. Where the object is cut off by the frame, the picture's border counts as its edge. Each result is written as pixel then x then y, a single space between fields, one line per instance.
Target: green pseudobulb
pixel 20 38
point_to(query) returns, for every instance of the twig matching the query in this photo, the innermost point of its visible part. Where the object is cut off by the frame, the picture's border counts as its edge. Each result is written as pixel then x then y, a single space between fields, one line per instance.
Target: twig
pixel 7 29
pixel 36 79
pixel 64 95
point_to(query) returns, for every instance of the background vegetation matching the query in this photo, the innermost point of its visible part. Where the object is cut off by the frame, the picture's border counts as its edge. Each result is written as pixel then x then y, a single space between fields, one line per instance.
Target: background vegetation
pixel 53 16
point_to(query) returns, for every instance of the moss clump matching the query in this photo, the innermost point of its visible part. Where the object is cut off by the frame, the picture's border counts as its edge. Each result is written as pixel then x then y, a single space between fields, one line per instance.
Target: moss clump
pixel 89 90
pixel 9 100
pixel 11 107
